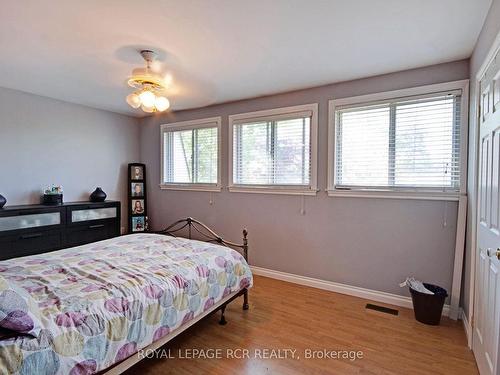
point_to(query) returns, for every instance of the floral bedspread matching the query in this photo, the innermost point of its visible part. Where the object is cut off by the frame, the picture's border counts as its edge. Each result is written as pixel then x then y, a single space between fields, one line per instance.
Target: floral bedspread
pixel 97 304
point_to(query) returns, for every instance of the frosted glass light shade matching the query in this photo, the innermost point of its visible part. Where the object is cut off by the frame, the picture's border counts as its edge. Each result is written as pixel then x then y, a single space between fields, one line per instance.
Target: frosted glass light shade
pixel 148 109
pixel 162 103
pixel 133 100
pixel 147 99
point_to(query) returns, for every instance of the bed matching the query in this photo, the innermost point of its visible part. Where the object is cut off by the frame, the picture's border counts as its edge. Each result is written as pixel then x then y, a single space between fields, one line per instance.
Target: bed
pixel 91 308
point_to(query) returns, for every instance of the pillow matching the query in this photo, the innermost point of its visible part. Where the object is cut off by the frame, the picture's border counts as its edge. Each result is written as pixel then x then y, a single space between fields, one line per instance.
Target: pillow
pixel 18 311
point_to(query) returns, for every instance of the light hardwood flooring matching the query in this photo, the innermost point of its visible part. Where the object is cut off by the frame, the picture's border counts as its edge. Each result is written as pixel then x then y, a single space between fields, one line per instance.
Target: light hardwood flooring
pixel 289 316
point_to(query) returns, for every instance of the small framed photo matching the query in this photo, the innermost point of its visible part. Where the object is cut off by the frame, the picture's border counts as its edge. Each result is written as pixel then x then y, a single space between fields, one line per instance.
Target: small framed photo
pixel 138 224
pixel 136 172
pixel 138 189
pixel 137 206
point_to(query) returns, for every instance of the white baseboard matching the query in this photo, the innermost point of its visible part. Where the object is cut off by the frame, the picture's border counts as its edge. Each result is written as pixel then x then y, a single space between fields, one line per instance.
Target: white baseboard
pixel 373 295
pixel 467 328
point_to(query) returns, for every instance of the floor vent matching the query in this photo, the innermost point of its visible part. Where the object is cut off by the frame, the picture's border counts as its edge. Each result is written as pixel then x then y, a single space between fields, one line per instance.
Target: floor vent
pixel 382 309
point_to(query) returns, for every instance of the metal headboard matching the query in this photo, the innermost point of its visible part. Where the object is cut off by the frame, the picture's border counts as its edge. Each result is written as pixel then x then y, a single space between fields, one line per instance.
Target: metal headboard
pixel 205 232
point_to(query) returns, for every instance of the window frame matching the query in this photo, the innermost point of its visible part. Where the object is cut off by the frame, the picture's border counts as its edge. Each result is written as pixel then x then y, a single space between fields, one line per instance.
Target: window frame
pixel 313 144
pixel 378 98
pixel 209 122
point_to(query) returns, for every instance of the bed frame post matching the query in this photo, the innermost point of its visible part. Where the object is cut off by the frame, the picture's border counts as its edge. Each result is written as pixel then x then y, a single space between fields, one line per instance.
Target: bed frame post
pixel 245 300
pixel 190 222
pixel 245 244
pixel 223 320
pixel 245 255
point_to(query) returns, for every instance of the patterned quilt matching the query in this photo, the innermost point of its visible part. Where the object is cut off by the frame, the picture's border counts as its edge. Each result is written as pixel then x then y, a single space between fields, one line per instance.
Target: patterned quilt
pixel 86 308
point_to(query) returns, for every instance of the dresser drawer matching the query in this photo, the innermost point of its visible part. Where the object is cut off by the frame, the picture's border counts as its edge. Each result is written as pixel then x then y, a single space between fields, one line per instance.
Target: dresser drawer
pixel 83 215
pixel 87 233
pixel 29 244
pixel 30 220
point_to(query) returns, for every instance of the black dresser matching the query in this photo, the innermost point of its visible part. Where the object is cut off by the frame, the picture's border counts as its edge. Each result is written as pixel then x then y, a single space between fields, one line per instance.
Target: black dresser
pixel 34 229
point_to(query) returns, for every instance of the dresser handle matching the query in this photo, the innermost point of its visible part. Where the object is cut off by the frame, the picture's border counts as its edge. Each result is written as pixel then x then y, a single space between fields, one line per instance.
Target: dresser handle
pixel 34 235
pixel 96 226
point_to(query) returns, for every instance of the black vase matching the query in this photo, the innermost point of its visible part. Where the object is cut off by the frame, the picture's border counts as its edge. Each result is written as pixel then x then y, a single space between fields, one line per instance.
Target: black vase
pixel 98 195
pixel 2 201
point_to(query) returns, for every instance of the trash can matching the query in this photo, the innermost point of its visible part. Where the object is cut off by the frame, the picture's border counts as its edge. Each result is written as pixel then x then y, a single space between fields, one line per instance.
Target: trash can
pixel 428 308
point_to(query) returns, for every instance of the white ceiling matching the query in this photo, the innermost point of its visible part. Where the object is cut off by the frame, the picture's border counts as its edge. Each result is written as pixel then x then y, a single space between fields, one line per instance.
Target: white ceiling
pixel 81 51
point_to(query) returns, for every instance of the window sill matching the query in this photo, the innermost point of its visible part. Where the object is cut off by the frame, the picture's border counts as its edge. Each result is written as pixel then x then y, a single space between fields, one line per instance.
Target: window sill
pixel 271 190
pixel 194 187
pixel 387 194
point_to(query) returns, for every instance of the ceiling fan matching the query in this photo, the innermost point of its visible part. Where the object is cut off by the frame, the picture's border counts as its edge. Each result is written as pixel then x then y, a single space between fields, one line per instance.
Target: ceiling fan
pixel 150 86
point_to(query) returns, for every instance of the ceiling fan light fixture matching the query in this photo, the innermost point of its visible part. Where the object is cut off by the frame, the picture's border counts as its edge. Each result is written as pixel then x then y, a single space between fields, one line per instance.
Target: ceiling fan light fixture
pixel 133 100
pixel 162 103
pixel 147 98
pixel 148 109
pixel 150 85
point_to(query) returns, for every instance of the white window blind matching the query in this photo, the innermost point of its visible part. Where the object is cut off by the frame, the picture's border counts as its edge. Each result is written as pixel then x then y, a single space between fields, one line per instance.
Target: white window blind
pixel 190 155
pixel 273 151
pixel 400 144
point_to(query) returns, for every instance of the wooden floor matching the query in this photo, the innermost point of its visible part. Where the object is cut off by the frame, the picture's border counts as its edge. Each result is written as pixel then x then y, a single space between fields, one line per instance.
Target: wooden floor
pixel 289 316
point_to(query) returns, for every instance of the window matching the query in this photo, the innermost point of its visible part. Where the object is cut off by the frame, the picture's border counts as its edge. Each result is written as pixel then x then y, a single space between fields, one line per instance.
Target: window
pixel 409 143
pixel 274 151
pixel 191 155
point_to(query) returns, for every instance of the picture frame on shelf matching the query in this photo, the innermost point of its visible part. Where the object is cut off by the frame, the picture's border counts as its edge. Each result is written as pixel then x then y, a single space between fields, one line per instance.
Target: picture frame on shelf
pixel 137 198
pixel 137 206
pixel 137 172
pixel 137 189
pixel 138 223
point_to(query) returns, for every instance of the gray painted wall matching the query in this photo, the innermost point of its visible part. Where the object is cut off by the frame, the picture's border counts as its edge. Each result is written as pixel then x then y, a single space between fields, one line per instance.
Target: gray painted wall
pixel 372 243
pixel 365 242
pixel 45 141
pixel 486 38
